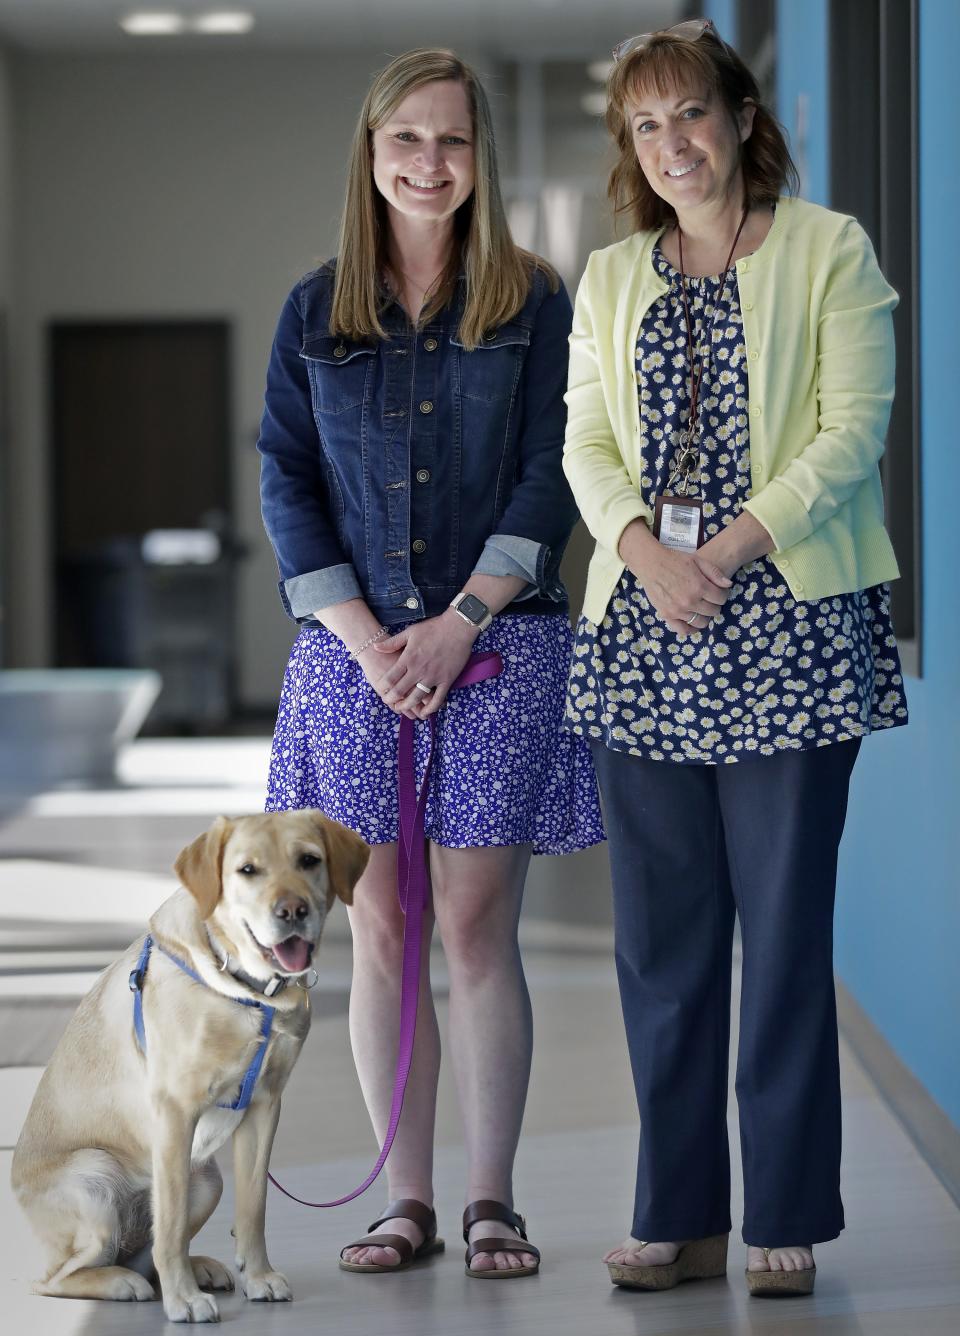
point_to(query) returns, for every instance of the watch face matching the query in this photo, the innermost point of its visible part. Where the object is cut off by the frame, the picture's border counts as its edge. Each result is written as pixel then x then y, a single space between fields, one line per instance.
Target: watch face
pixel 472 607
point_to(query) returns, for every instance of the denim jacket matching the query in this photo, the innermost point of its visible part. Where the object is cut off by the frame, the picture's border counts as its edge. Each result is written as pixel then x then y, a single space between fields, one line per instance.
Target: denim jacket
pixel 392 470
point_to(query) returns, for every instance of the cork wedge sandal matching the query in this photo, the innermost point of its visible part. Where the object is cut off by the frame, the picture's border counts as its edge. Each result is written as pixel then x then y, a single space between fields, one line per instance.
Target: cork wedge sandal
pixel 495 1210
pixel 407 1209
pixel 780 1284
pixel 700 1259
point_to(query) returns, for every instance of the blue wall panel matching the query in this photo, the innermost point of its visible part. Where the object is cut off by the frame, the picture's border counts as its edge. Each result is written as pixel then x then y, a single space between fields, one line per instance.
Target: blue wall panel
pixel 803 91
pixel 724 16
pixel 898 924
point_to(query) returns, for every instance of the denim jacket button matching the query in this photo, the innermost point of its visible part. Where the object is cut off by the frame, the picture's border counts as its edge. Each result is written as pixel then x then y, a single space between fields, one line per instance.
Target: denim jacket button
pixel 426 406
pixel 423 475
pixel 418 545
pixel 411 603
pixel 340 351
pixel 430 345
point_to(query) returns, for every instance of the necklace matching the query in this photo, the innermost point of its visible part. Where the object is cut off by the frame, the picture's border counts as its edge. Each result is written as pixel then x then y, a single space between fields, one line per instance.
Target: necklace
pixel 415 282
pixel 690 457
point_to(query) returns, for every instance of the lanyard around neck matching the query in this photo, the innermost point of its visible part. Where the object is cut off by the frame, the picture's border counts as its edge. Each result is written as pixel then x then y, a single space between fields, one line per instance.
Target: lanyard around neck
pixel 697 365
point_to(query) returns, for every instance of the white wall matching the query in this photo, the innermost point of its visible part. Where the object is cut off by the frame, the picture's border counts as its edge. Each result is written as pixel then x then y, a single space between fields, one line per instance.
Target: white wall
pixel 179 186
pixel 6 168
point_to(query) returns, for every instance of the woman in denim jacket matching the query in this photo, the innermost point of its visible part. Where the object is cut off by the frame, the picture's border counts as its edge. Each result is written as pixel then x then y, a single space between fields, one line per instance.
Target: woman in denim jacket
pixel 413 492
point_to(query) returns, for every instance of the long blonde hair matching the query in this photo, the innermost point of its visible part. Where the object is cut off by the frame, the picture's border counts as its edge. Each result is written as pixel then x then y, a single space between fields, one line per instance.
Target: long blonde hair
pixel 498 272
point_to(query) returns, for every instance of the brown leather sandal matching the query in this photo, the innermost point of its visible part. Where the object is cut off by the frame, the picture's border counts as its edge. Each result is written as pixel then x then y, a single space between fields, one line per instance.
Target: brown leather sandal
pixel 495 1210
pixel 408 1208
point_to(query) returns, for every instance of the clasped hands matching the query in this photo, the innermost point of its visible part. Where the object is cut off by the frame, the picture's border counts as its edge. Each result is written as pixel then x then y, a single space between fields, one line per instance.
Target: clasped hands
pixel 430 653
pixel 686 589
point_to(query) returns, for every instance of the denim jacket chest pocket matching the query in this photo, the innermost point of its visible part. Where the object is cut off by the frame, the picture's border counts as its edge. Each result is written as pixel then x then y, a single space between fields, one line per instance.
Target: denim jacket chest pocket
pixel 491 371
pixel 339 370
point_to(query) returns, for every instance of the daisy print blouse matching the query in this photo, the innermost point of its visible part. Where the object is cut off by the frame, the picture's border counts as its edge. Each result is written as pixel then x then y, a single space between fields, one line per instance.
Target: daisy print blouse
pixel 769 673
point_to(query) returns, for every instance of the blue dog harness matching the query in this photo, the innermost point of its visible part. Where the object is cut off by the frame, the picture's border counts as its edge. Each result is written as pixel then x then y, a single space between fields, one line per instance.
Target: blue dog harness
pixel 137 977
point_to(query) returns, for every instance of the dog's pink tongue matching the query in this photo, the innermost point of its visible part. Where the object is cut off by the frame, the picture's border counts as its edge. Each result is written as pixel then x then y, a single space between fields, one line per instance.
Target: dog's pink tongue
pixel 293 954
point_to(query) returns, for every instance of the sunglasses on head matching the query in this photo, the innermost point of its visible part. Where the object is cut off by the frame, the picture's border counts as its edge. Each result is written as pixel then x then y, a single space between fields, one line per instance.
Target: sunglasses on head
pixel 691 30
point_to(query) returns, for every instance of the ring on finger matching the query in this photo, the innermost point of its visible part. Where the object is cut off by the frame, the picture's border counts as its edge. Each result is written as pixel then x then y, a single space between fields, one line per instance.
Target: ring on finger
pixel 422 686
pixel 692 619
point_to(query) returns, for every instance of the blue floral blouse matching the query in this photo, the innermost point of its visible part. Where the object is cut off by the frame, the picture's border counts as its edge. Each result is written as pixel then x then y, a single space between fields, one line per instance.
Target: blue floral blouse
pixel 769 673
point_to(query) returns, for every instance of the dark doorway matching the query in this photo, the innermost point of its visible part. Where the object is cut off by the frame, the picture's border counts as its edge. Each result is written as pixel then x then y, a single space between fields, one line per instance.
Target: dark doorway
pixel 140 429
pixel 141 442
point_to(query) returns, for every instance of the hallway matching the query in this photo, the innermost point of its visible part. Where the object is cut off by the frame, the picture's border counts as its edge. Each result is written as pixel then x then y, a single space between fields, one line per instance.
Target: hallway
pixel 574 1180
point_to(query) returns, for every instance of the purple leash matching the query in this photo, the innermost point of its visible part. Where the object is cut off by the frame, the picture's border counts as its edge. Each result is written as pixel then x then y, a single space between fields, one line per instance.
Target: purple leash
pixel 413 890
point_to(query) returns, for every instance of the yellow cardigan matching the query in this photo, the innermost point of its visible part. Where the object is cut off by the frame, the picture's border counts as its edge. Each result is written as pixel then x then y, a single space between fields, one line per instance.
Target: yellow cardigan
pixel 820 363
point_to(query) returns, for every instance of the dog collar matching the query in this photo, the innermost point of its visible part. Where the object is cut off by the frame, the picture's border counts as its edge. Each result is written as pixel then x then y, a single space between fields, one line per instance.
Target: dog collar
pixel 270 988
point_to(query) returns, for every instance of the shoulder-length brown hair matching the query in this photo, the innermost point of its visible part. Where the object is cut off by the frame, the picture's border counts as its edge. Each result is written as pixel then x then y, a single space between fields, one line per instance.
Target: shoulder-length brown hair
pixel 498 273
pixel 667 63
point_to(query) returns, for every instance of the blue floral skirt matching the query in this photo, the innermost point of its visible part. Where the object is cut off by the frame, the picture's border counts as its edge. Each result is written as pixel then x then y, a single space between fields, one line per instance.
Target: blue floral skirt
pixel 505 771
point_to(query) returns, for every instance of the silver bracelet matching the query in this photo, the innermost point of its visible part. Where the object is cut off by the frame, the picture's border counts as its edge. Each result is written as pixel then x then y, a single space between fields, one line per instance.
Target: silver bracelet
pixel 355 653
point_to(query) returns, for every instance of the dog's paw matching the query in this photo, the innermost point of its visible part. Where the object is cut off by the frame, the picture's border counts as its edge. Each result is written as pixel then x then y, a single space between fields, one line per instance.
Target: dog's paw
pixel 118 1283
pixel 211 1274
pixel 269 1287
pixel 191 1307
pixel 126 1286
pixel 133 1287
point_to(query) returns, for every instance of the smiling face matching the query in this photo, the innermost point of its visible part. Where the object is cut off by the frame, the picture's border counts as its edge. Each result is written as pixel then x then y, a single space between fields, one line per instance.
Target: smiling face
pixel 688 146
pixel 275 894
pixel 423 156
pixel 265 883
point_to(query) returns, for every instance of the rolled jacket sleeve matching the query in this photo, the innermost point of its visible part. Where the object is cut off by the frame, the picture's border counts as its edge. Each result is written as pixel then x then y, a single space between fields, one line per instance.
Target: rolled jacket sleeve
pixel 304 594
pixel 504 554
pixel 541 511
pixel 855 383
pixel 314 571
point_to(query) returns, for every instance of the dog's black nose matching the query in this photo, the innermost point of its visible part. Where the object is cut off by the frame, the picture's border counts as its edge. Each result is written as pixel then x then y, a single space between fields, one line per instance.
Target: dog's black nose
pixel 291 908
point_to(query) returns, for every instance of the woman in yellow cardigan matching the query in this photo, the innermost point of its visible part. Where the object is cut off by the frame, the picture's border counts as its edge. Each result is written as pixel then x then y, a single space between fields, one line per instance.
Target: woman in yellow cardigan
pixel 731 375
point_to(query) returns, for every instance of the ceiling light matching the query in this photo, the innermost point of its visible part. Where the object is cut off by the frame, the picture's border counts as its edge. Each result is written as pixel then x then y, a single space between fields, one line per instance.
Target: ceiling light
pixel 222 22
pixel 599 70
pixel 152 24
pixel 594 104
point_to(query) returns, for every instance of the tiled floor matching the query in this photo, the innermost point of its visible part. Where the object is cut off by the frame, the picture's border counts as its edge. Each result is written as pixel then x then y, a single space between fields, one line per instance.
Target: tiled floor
pixel 894 1272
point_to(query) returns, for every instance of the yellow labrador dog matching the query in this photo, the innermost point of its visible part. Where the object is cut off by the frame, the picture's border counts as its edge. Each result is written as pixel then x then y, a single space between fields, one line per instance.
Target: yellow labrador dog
pixel 186 1040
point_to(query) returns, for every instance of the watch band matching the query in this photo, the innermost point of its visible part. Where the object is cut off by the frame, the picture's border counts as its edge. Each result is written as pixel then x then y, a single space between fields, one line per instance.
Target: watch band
pixel 480 620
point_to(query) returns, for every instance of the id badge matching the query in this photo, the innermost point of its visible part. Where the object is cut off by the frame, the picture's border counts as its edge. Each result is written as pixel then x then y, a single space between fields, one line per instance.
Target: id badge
pixel 678 522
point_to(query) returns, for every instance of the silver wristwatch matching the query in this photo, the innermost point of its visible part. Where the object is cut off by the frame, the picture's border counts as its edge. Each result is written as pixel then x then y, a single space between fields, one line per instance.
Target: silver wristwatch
pixel 473 610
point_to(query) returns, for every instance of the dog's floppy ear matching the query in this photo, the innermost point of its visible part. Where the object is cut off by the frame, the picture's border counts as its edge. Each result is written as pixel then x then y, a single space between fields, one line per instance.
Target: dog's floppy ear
pixel 200 865
pixel 347 855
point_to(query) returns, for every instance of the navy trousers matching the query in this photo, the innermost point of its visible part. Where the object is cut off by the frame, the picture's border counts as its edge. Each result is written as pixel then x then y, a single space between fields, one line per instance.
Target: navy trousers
pixel 690 847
